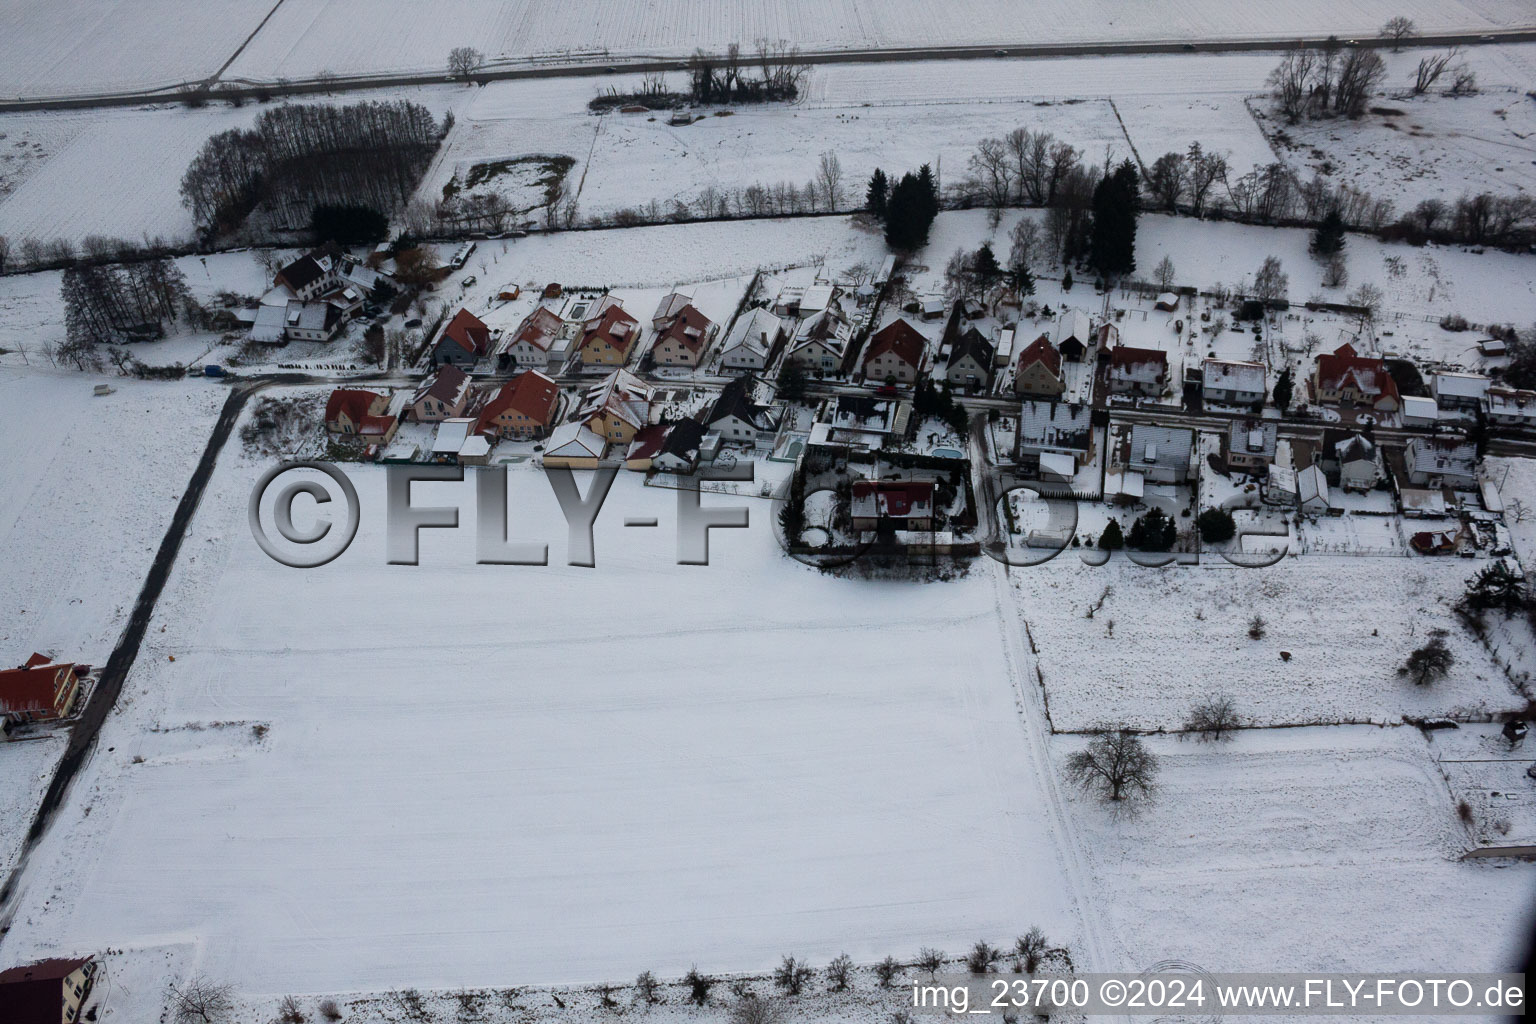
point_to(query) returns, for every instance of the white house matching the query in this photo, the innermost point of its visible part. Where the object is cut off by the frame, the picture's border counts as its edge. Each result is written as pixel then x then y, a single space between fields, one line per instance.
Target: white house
pixel 751 341
pixel 1312 490
pixel 737 418
pixel 1459 390
pixel 1228 382
pixel 1509 407
pixel 1441 462
pixel 1161 454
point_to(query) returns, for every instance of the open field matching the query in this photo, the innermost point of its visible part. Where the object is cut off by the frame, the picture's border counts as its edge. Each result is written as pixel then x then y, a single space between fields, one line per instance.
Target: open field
pixel 1164 641
pixel 552 773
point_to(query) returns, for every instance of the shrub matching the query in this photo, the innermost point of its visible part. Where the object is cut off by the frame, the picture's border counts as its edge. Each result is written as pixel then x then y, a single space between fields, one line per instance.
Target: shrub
pixel 981 957
pixel 930 960
pixel 645 988
pixel 1154 531
pixel 1216 526
pixel 698 986
pixel 1454 322
pixel 792 975
pixel 329 1010
pixel 1256 628
pixel 839 972
pixel 886 971
pixel 288 1011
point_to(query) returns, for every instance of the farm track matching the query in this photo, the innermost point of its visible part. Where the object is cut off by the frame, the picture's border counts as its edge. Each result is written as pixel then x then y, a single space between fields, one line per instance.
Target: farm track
pixel 601 67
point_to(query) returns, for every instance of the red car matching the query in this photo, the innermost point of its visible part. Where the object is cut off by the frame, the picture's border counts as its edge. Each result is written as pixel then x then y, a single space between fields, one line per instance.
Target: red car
pixel 886 391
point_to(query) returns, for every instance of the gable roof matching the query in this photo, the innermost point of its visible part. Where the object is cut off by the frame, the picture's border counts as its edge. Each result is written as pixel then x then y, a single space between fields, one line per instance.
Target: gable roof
pixel 1253 437
pixel 688 327
pixel 899 338
pixel 468 332
pixel 647 443
pixel 613 325
pixel 683 440
pixel 620 394
pixel 30 688
pixel 574 440
pixel 972 343
pixel 1343 368
pixel 897 499
pixel 302 272
pixel 353 401
pixel 736 400
pixel 447 385
pixel 34 992
pixel 754 332
pixel 1354 448
pixel 1436 455
pixel 1074 323
pixel 1055 425
pixel 671 305
pixel 1040 351
pixel 1161 446
pixel 1232 375
pixel 539 328
pixel 530 393
pixel 1142 365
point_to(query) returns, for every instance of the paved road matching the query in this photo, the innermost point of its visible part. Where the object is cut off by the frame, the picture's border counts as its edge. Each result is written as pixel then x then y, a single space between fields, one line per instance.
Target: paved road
pixel 601 66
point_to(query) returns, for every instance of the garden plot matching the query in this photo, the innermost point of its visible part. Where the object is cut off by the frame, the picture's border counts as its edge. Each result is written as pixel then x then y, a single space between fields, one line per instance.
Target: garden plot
pixel 1180 635
pixel 1315 849
pixel 722 764
pixel 1429 147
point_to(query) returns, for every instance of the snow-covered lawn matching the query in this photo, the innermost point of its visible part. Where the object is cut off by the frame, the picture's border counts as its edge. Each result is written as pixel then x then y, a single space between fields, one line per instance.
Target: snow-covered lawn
pixel 1180 635
pixel 1301 849
pixel 26 768
pixel 494 775
pixel 87 487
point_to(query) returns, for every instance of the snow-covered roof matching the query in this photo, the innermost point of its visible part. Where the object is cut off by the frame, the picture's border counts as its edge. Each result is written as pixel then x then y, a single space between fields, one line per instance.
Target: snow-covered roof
pixel 816 298
pixel 1460 385
pixel 1312 486
pixel 574 440
pixel 451 435
pixel 1419 407
pixel 269 324
pixel 1434 456
pixel 1161 446
pixel 1055 425
pixel 475 445
pixel 1252 437
pixel 1057 465
pixel 1232 376
pixel 754 332
pixel 1074 323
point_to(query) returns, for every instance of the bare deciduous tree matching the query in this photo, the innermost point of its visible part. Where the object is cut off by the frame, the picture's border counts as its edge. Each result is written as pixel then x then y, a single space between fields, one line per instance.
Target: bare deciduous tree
pixel 464 61
pixel 1164 273
pixel 930 960
pixel 792 975
pixel 829 180
pixel 756 1010
pixel 1397 29
pixel 1431 68
pixel 201 1001
pixel 1212 718
pixel 1271 283
pixel 1431 662
pixel 1117 763
pixel 1029 950
pixel 840 972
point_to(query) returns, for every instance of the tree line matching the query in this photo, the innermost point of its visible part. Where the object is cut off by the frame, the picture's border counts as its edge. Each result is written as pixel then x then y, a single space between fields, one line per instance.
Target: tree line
pixel 299 156
pixel 114 303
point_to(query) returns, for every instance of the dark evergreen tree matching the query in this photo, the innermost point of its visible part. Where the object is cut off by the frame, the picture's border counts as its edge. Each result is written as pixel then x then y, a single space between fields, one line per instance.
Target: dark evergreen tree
pixel 1154 531
pixel 1328 239
pixel 1116 203
pixel 985 266
pixel 1113 538
pixel 930 191
pixel 908 215
pixel 1284 389
pixel 877 193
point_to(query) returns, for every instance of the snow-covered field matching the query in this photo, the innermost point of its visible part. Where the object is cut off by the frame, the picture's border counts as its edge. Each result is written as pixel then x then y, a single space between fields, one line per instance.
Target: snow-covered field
pixel 492 775
pixel 1164 641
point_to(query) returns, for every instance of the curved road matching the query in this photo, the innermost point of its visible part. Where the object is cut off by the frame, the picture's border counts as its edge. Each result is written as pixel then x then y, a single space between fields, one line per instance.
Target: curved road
pixel 505 70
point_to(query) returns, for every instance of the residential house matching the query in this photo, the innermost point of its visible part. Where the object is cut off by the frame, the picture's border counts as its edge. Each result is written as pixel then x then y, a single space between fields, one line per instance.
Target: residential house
pixel 860 422
pixel 669 309
pixel 608 338
pixel 464 342
pixel 1108 336
pixel 522 409
pixel 1419 411
pixel 684 338
pixel 970 357
pixel 1312 490
pixel 47 992
pixel 573 446
pixel 308 277
pixel 1038 370
pixel 680 448
pixel 1249 445
pixel 441 395
pixel 38 691
pixel 737 418
pixel 895 353
pixel 353 412
pixel 1138 371
pixel 1441 462
pixel 1161 454
pixel 1228 382
pixel 271 324
pixel 900 504
pixel 1351 458
pixel 533 339
pixel 752 341
pixel 1509 407
pixel 1463 391
pixel 616 408
pixel 1074 333
pixel 311 321
pixel 642 451
pixel 820 342
pixel 1053 438
pixel 1344 377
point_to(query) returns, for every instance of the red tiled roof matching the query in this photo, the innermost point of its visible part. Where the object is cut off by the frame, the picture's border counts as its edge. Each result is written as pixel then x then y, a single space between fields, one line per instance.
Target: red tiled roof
pixel 352 401
pixel 897 498
pixel 1125 357
pixel 468 332
pixel 1343 368
pixel 539 327
pixel 445 385
pixel 35 992
pixel 1041 350
pixel 530 393
pixel 900 338
pixel 648 442
pixel 30 689
pixel 677 328
pixel 602 327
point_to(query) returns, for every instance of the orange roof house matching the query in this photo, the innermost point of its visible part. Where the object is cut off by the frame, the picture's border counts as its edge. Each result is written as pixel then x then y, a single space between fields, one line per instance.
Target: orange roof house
pixel 895 353
pixel 1344 377
pixel 607 339
pixel 1038 370
pixel 682 339
pixel 522 408
pixel 463 342
pixel 38 691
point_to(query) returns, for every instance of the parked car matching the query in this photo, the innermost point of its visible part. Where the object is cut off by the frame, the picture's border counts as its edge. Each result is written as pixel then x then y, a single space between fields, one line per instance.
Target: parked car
pixel 214 370
pixel 471 279
pixel 886 390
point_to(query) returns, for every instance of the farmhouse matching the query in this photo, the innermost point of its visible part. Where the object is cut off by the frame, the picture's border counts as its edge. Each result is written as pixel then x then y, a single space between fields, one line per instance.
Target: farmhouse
pixel 522 409
pixel 441 395
pixel 1226 382
pixel 47 992
pixel 895 353
pixel 463 342
pixel 684 338
pixel 1038 370
pixel 751 341
pixel 1345 378
pixel 38 691
pixel 1138 371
